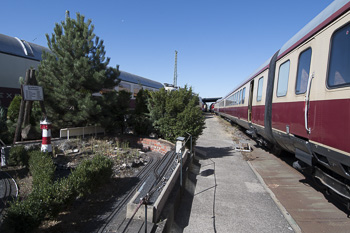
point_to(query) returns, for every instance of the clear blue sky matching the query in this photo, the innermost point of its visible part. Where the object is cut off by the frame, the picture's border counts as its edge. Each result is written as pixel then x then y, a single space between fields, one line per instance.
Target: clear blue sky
pixel 219 42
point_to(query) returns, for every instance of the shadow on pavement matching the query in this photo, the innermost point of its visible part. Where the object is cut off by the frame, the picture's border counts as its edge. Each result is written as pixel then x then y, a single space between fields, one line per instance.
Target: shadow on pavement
pixel 183 213
pixel 204 153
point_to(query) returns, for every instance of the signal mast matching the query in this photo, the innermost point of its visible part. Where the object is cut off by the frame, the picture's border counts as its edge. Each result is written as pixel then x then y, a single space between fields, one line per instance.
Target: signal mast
pixel 175 71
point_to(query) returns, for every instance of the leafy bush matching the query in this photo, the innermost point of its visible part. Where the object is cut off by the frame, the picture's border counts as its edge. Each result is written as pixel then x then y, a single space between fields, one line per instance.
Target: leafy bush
pixel 176 113
pixel 91 173
pixel 49 198
pixel 24 216
pixel 13 110
pixel 42 169
pixel 18 156
pixel 4 134
pixel 12 115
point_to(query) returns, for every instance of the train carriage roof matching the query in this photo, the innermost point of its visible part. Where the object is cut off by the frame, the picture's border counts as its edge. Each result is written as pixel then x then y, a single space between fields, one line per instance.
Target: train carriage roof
pixel 14 46
pixel 132 78
pixel 316 24
pixel 320 21
pixel 21 48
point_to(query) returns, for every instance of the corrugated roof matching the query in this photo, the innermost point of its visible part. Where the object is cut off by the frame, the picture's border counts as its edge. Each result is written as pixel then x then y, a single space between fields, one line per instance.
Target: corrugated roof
pixel 125 76
pixel 22 48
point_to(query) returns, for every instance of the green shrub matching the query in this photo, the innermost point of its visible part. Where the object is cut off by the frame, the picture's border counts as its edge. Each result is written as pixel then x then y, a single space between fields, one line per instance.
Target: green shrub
pixel 91 173
pixel 4 133
pixel 18 156
pixel 13 110
pixel 49 198
pixel 24 216
pixel 42 169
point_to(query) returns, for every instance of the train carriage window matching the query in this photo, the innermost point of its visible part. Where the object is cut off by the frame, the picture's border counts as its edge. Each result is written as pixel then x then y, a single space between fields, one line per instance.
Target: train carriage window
pixel 240 97
pixel 229 101
pixel 260 89
pixel 339 60
pixel 137 90
pixel 303 71
pixel 124 87
pixel 243 95
pixel 283 76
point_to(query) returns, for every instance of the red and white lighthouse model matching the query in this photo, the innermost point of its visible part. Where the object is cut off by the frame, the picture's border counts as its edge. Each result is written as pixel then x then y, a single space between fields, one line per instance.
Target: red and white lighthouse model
pixel 45 126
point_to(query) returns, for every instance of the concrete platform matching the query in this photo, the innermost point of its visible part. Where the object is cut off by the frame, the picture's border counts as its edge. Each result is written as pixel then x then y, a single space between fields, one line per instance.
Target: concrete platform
pixel 311 208
pixel 223 194
pixel 256 191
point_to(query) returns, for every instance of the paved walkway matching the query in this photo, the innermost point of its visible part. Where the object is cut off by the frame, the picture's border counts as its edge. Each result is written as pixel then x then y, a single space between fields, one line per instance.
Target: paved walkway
pixel 223 192
pixel 311 209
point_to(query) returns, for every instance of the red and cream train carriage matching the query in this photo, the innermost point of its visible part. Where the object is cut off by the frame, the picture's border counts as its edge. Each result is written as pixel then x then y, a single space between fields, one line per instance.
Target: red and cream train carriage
pixel 300 98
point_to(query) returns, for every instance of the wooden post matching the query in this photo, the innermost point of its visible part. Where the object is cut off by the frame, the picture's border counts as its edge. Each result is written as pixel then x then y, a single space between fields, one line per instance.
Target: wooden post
pixel 21 113
pixel 28 108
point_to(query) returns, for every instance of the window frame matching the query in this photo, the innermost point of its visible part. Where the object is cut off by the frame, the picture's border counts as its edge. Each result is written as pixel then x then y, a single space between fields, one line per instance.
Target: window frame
pixel 329 59
pixel 240 96
pixel 262 89
pixel 278 81
pixel 296 79
pixel 243 94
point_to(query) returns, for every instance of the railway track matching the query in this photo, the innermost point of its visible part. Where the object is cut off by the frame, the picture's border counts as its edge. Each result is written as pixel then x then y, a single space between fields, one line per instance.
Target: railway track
pixel 113 216
pixel 118 208
pixel 149 179
pixel 8 191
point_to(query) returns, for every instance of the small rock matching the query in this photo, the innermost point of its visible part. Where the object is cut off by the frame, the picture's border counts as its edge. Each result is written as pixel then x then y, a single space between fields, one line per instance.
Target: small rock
pixel 68 151
pixel 66 145
pixel 28 133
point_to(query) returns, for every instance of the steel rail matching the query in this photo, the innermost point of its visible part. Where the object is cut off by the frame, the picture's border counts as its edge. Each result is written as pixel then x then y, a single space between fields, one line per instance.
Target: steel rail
pixel 143 175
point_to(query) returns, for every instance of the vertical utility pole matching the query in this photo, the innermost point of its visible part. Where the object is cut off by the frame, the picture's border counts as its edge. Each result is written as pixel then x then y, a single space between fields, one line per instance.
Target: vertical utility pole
pixel 175 70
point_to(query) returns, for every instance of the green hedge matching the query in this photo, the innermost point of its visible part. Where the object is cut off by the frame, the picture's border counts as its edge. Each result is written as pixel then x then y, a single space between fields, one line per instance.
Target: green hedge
pixel 18 156
pixel 42 169
pixel 48 197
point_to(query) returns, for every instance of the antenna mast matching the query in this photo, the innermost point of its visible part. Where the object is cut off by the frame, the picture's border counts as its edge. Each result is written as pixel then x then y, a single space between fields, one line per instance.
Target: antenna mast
pixel 175 70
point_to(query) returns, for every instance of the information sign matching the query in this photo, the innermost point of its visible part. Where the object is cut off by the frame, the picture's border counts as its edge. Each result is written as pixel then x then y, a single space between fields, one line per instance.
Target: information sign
pixel 33 93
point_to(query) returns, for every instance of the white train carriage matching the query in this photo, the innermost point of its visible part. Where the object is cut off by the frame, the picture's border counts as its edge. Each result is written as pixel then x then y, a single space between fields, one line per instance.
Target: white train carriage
pixel 16 56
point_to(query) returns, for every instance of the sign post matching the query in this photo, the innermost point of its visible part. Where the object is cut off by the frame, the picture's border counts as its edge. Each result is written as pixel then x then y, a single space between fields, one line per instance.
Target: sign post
pixel 32 93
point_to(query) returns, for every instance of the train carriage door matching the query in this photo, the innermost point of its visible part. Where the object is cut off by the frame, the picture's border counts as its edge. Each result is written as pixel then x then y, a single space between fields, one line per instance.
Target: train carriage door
pixel 250 102
pixel 329 102
pixel 302 91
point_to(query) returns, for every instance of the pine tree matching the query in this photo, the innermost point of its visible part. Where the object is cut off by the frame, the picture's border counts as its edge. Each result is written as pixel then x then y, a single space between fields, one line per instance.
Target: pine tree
pixel 176 113
pixel 140 119
pixel 76 68
pixel 113 116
